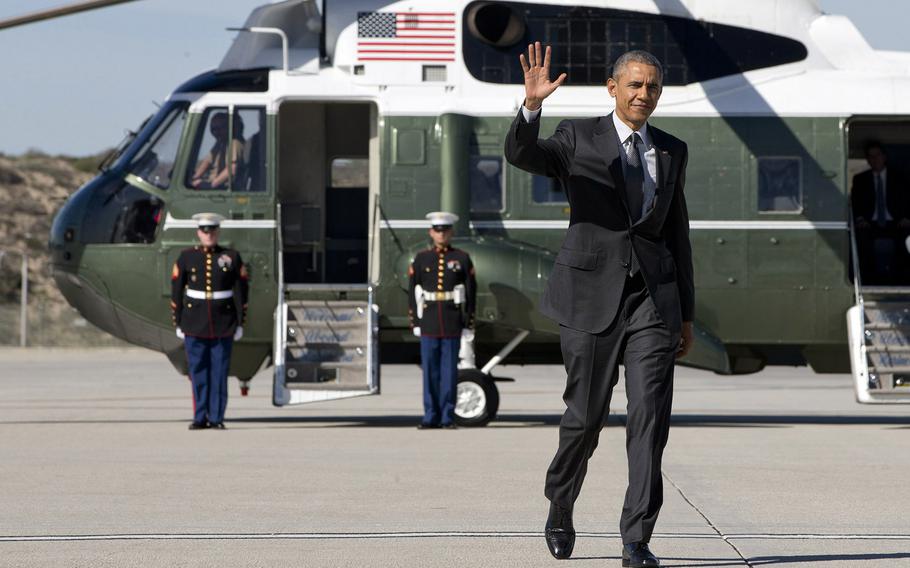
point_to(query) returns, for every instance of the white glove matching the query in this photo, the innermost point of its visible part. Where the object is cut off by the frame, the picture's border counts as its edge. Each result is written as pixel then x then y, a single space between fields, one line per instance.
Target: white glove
pixel 467 334
pixel 180 334
pixel 238 333
pixel 416 331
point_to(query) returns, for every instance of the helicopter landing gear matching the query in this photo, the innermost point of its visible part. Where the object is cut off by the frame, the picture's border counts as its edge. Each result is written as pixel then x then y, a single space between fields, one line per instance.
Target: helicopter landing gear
pixel 477 398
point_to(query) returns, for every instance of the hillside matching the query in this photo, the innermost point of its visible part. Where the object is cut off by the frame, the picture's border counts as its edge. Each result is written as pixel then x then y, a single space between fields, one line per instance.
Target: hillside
pixel 32 188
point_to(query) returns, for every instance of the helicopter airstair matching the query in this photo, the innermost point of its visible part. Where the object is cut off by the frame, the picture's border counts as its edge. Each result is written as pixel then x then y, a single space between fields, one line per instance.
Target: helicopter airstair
pixel 878 329
pixel 325 349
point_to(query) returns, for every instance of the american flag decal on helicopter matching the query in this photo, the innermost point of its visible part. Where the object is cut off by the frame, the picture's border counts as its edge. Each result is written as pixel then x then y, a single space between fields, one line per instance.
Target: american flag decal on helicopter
pixel 406 36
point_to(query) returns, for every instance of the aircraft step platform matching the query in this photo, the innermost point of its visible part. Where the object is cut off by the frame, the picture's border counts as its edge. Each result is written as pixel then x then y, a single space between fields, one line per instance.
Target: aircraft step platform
pixel 328 349
pixel 880 346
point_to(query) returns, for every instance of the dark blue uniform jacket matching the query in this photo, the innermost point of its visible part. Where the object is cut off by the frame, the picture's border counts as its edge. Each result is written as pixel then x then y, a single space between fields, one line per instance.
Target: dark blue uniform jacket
pixel 209 270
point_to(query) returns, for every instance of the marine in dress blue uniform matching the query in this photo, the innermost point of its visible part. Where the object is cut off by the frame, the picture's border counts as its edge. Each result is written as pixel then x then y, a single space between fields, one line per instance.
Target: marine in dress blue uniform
pixel 442 297
pixel 209 316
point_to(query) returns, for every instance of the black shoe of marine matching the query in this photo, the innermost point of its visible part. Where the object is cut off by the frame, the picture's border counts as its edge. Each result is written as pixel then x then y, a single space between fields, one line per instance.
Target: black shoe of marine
pixel 219 426
pixel 423 426
pixel 199 425
pixel 637 555
pixel 451 426
pixel 559 532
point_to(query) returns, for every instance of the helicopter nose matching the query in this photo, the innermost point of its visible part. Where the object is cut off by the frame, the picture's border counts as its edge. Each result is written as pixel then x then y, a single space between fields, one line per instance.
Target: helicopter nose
pixel 66 241
pixel 63 241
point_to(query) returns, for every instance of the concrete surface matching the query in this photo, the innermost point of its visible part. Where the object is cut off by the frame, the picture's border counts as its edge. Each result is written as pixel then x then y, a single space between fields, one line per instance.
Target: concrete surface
pixel 97 468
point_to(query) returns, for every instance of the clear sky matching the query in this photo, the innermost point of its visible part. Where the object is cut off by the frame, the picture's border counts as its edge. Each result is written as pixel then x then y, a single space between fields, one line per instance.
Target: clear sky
pixel 74 85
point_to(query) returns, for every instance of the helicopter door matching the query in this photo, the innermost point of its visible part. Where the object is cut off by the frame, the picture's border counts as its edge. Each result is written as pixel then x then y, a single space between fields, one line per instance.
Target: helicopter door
pixel 326 331
pixel 323 188
pixel 878 325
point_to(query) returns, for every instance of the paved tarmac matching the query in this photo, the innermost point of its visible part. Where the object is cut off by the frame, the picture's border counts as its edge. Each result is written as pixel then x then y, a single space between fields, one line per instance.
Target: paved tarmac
pixel 97 468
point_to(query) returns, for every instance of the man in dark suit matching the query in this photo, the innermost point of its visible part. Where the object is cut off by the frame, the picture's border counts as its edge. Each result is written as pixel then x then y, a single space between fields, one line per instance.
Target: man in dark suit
pixel 622 285
pixel 880 211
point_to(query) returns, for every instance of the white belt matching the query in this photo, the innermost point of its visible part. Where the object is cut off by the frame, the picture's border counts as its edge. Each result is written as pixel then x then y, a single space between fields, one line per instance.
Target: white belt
pixel 429 296
pixel 219 295
pixel 457 295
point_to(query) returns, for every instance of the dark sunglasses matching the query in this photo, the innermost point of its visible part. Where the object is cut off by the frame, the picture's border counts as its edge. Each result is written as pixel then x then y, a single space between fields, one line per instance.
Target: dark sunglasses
pixel 442 228
pixel 208 229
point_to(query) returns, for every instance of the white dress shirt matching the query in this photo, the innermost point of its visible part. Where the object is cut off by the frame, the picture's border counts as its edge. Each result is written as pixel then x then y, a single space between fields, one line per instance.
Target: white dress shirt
pixel 647 153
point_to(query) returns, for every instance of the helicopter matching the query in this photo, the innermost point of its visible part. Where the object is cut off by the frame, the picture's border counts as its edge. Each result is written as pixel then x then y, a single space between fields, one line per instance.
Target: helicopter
pixel 358 117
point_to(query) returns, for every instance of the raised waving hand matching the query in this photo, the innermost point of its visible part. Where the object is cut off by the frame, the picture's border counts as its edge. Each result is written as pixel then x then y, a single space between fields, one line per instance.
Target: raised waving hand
pixel 537 76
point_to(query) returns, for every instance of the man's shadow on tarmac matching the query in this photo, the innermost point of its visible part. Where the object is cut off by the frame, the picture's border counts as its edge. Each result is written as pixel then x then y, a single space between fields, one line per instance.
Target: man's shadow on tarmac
pixel 529 420
pixel 672 562
pixel 551 420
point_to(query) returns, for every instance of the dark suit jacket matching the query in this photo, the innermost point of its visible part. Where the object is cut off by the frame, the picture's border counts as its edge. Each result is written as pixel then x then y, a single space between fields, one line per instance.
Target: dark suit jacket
pixel 862 196
pixel 586 284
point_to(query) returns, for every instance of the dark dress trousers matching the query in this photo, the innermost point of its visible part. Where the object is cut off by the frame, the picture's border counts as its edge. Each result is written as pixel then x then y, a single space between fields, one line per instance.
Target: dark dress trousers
pixel 620 290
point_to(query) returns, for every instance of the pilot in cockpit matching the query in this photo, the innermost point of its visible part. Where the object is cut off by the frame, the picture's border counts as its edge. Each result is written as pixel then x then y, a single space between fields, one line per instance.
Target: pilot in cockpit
pixel 219 165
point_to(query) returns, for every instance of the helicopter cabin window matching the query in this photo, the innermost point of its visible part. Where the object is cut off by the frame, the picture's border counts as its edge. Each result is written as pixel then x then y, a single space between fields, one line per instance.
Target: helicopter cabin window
pixel 486 184
pixel 780 185
pixel 350 172
pixel 229 151
pixel 547 190
pixel 586 42
pixel 154 162
pixel 121 213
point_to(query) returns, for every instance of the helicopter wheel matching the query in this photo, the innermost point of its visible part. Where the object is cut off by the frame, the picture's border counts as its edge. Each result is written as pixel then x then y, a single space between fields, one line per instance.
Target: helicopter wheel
pixel 477 399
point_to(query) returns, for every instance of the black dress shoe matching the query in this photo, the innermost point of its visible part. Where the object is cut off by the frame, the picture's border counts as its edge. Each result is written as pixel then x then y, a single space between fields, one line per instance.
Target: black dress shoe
pixel 559 532
pixel 199 425
pixel 450 426
pixel 637 555
pixel 219 426
pixel 428 426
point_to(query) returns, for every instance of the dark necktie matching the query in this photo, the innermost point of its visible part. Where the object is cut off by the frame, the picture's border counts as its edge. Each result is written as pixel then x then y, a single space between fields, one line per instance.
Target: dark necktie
pixel 881 208
pixel 635 179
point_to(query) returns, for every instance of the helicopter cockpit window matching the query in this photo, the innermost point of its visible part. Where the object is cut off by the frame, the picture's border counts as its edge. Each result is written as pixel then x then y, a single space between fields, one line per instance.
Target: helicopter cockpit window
pixel 154 162
pixel 229 151
pixel 780 185
pixel 121 213
pixel 486 184
pixel 249 123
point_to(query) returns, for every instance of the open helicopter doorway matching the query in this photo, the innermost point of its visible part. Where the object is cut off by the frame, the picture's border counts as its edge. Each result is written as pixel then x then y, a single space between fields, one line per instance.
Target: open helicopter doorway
pixel 878 164
pixel 878 325
pixel 324 180
pixel 326 324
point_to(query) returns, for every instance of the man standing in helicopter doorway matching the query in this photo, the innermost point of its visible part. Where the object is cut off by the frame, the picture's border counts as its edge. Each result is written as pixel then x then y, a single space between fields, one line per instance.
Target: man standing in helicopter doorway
pixel 205 312
pixel 441 299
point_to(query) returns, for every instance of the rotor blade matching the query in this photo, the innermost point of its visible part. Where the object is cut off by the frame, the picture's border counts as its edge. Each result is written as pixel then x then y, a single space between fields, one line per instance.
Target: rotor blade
pixel 58 12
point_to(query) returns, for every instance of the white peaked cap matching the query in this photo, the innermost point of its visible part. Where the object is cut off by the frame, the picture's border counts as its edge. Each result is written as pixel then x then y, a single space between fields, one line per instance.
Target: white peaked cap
pixel 441 218
pixel 208 219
